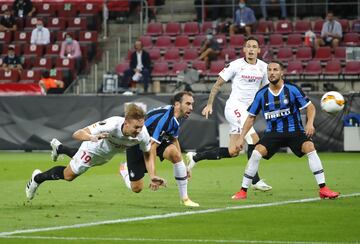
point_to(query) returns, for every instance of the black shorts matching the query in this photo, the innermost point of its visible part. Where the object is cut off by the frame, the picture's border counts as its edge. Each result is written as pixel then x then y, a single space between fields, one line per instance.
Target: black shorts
pixel 273 141
pixel 136 162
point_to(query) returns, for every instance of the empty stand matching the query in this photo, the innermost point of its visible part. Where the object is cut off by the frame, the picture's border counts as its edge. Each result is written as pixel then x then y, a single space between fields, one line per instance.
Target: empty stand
pixel 191 28
pixel 237 41
pixel 154 29
pixel 30 76
pixel 172 28
pixel 182 42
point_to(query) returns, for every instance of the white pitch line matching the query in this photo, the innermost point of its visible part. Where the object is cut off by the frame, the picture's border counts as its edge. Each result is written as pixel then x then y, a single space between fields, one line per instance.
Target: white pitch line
pixel 167 240
pixel 168 215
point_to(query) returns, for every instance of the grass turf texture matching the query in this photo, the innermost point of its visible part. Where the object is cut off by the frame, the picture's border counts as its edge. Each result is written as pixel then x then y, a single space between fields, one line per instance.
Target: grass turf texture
pixel 100 194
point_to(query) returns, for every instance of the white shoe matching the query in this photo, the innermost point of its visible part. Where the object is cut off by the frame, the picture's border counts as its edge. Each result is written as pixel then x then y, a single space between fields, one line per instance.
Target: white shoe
pixel 54 143
pixel 188 203
pixel 32 186
pixel 261 186
pixel 190 160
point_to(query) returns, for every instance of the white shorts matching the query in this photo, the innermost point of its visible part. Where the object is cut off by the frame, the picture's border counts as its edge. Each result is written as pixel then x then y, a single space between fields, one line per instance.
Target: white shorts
pixel 236 116
pixel 85 158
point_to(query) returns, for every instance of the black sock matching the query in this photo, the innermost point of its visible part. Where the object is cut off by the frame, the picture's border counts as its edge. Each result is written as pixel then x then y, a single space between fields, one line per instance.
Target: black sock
pixel 66 150
pixel 322 185
pixel 251 148
pixel 213 154
pixel 55 173
pixel 244 189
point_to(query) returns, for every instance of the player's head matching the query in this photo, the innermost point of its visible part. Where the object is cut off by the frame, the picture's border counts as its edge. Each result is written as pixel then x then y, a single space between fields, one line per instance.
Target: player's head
pixel 138 46
pixel 251 48
pixel 45 74
pixel 134 120
pixel 183 104
pixel 275 71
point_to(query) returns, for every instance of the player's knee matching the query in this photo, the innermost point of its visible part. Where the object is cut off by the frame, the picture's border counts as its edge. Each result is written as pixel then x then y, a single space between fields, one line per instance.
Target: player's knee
pixel 136 188
pixel 69 177
pixel 308 146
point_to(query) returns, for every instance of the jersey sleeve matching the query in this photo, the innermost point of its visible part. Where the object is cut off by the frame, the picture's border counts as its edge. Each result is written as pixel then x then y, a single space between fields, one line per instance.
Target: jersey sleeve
pixel 302 101
pixel 265 79
pixel 228 72
pixel 255 106
pixel 107 125
pixel 160 128
pixel 145 142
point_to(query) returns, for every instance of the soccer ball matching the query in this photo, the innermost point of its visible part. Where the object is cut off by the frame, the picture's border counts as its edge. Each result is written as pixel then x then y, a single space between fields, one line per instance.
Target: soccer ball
pixel 332 102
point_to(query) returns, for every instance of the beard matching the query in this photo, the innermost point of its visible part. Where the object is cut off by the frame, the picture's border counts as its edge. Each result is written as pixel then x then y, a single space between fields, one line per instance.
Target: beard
pixel 274 82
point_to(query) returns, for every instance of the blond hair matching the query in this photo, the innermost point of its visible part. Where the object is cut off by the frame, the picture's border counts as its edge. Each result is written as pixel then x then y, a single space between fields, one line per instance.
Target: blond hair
pixel 133 111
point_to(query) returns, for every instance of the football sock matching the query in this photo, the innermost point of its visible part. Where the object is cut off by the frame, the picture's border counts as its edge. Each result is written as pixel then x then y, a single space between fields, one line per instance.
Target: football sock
pixel 55 173
pixel 251 169
pixel 181 179
pixel 66 150
pixel 316 167
pixel 125 174
pixel 213 154
pixel 251 148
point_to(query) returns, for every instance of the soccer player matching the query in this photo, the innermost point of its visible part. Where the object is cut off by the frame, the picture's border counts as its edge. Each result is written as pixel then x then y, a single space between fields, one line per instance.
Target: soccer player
pixel 280 103
pixel 101 141
pixel 247 75
pixel 163 125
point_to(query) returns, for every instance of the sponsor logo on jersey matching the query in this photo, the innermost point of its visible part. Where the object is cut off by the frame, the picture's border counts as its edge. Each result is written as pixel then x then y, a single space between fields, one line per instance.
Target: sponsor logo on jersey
pixel 277 113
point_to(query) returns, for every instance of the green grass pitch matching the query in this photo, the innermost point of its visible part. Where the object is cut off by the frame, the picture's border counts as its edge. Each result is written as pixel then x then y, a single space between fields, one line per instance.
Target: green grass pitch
pixel 101 195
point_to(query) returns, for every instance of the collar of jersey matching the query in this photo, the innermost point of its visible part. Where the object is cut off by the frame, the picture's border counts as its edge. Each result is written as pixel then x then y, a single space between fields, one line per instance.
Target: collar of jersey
pixel 278 92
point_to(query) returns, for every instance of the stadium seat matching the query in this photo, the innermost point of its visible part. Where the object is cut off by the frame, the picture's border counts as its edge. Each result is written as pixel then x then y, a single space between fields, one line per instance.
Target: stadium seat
pixel 65 63
pixel 285 54
pixel 261 40
pixel 121 68
pixel 340 53
pixel 22 37
pixel 88 9
pixel 9 76
pixel 5 6
pixel 178 67
pixel 28 62
pixel 215 68
pixel 266 54
pixel 182 42
pixel 77 24
pixel 302 26
pixel 200 66
pixel 30 76
pixel 207 26
pixel 45 9
pixel 18 50
pixel 344 25
pixel 30 24
pixel 52 50
pixel 312 69
pixel 356 26
pixel 160 70
pixel 276 41
pixel 332 69
pixel 56 24
pixel 88 36
pixel 351 39
pixel 146 41
pixel 198 40
pixel 191 28
pixel 352 68
pixel 264 27
pixel 323 54
pixel 294 67
pixel 172 55
pixel 304 54
pixel 318 25
pixel 67 10
pixel 163 42
pixel 172 29
pixel 284 27
pixel 237 41
pixel 31 50
pixel 154 54
pixel 154 29
pixel 294 40
pixel 5 37
pixel 43 63
pixel 228 54
pixel 190 54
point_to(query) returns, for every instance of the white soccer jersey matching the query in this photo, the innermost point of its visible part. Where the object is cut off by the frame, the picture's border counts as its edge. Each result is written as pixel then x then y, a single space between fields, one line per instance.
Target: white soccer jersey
pixel 246 80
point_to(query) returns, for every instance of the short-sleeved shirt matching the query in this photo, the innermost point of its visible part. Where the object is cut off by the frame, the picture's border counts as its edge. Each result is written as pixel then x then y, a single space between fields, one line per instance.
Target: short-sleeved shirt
pixel 246 80
pixel 8 22
pixel 245 16
pixel 333 27
pixel 49 83
pixel 281 111
pixel 161 124
pixel 12 61
pixel 117 141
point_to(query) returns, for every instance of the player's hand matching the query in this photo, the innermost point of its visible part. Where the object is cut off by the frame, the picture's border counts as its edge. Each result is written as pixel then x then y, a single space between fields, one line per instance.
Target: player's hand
pixel 239 144
pixel 309 130
pixel 207 110
pixel 95 138
pixel 156 182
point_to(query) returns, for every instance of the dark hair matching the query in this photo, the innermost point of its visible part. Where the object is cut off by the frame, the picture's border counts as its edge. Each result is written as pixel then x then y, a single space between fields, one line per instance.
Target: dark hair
pixel 252 38
pixel 133 111
pixel 45 74
pixel 179 96
pixel 279 63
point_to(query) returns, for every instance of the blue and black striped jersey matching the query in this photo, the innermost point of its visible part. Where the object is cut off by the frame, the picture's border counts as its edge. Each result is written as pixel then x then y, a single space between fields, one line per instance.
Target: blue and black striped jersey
pixel 281 111
pixel 161 123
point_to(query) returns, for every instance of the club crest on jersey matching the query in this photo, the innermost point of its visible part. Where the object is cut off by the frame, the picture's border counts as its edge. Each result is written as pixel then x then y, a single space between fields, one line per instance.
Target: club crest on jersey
pixel 286 101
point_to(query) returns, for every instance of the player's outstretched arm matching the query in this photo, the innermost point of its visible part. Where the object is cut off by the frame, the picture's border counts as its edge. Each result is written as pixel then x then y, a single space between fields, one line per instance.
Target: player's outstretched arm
pixel 149 158
pixel 85 135
pixel 310 115
pixel 214 90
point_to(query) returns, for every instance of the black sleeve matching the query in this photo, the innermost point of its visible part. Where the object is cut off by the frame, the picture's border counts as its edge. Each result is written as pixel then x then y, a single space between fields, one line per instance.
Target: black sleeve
pixel 146 60
pixel 28 7
pixel 133 61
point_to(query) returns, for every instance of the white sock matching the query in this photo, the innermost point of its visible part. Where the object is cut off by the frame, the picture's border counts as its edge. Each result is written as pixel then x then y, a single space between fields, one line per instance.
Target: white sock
pixel 125 174
pixel 251 168
pixel 316 167
pixel 181 178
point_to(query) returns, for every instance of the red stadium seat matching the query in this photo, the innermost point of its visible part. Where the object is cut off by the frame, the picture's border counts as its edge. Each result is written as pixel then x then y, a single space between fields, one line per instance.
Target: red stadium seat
pixel 198 40
pixel 65 63
pixel 154 29
pixel 154 53
pixel 172 55
pixel 228 54
pixel 264 27
pixel 28 62
pixel 43 63
pixel 190 54
pixel 304 54
pixel 344 25
pixel 163 42
pixel 276 41
pixel 216 67
pixel 352 68
pixel 30 76
pixel 5 6
pixel 182 42
pixel 5 37
pixel 285 54
pixel 146 41
pixel 18 50
pixel 237 41
pixel 200 66
pixel 56 24
pixel 261 39
pixel 160 69
pixel 178 67
pixel 88 36
pixel 318 25
pixel 88 9
pixel 294 40
pixel 207 26
pixel 77 24
pixel 266 54
pixel 30 23
pixel 340 53
pixel 67 10
pixel 191 28
pixel 52 50
pixel 351 39
pixel 121 68
pixel 302 26
pixel 332 69
pixel 313 69
pixel 323 54
pixel 9 76
pixel 31 50
pixel 45 10
pixel 294 67
pixel 172 28
pixel 22 37
pixel 284 27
